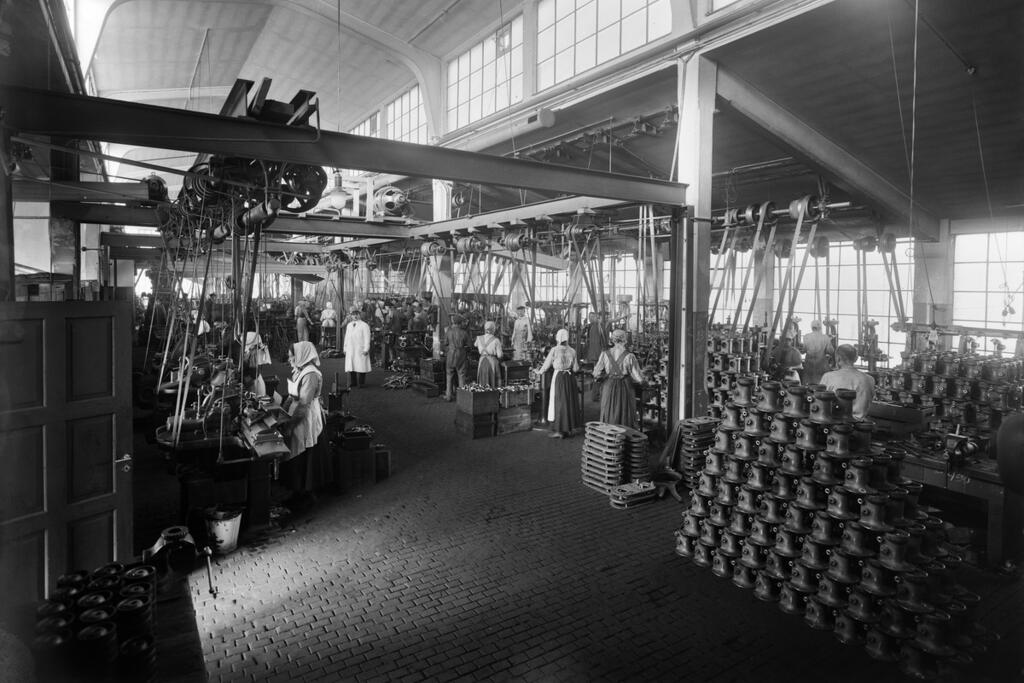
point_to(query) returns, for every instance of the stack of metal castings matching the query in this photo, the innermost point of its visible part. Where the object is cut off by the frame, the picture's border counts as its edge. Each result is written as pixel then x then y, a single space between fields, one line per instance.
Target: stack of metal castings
pixel 796 502
pixel 966 390
pixel 98 624
pixel 603 463
pixel 731 355
pixel 636 458
pixel 696 435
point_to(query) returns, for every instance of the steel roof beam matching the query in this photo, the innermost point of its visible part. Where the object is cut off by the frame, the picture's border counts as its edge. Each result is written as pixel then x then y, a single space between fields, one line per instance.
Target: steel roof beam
pixel 79 117
pixel 820 151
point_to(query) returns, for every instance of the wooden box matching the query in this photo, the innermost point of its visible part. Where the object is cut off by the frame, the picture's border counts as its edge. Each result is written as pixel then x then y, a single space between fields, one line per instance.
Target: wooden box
pixel 475 426
pixel 515 371
pixel 521 396
pixel 476 402
pixel 514 419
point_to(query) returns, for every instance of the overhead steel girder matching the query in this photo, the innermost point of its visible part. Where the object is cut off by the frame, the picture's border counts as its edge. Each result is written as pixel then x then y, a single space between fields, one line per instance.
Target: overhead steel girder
pixel 74 116
pixel 820 151
pixel 106 214
pixel 125 240
pixel 45 191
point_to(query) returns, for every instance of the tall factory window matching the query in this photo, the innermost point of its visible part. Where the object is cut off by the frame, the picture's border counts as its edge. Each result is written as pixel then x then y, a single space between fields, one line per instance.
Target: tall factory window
pixel 487 77
pixel 842 292
pixel 729 277
pixel 405 118
pixel 368 127
pixel 577 35
pixel 988 278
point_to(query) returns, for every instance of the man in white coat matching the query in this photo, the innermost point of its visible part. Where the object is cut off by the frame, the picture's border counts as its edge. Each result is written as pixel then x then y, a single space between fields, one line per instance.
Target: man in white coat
pixel 357 349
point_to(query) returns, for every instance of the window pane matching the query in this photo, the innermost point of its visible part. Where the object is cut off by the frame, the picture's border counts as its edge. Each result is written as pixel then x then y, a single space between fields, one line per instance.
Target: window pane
pixel 586 54
pixel 971 247
pixel 514 62
pixel 969 305
pixel 476 86
pixel 586 19
pixel 659 19
pixel 564 64
pixel 546 74
pixel 487 103
pixel 565 32
pixel 517 30
pixel 634 31
pixel 607 13
pixel 608 44
pixel 545 13
pixel 488 77
pixel 631 6
pixel 516 86
pixel 501 97
pixel 488 50
pixel 563 8
pixel 474 109
pixel 970 276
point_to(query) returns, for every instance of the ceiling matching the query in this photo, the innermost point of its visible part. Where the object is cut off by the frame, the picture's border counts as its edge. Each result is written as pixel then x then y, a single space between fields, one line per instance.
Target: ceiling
pixel 845 69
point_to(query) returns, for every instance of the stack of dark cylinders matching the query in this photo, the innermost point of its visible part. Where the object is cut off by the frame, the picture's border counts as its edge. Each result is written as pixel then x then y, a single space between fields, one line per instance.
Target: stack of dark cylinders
pixel 964 390
pixel 92 619
pixel 797 503
pixel 696 434
pixel 731 355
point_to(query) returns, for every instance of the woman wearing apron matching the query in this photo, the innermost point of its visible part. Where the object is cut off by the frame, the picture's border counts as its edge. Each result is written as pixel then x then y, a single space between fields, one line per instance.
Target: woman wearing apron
pixel 563 401
pixel 307 423
pixel 618 397
pixel 488 371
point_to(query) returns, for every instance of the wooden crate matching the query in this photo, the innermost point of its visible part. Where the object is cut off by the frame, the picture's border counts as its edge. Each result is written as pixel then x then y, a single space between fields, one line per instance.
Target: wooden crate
pixel 515 371
pixel 476 402
pixel 514 419
pixel 511 398
pixel 475 426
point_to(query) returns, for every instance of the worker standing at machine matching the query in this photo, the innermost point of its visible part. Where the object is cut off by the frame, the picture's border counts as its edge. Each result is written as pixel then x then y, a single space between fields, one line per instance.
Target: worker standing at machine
pixel 456 356
pixel 817 348
pixel 328 323
pixel 488 372
pixel 849 377
pixel 621 371
pixel 522 335
pixel 302 321
pixel 306 424
pixel 563 410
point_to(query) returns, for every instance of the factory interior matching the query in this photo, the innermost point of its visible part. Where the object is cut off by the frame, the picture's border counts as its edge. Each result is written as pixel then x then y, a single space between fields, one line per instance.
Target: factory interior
pixel 511 340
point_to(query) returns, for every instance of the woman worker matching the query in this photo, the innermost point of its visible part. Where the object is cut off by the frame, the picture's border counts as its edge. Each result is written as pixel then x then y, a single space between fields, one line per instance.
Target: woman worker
pixel 357 349
pixel 563 400
pixel 488 371
pixel 305 426
pixel 254 355
pixel 329 321
pixel 302 320
pixel 621 371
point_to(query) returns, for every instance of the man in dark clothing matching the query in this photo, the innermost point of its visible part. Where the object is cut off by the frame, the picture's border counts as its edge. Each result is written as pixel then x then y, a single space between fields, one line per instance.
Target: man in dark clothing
pixel 396 325
pixel 456 348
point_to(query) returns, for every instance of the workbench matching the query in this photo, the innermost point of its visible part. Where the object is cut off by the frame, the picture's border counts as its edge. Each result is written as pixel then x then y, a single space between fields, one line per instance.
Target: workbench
pixel 980 481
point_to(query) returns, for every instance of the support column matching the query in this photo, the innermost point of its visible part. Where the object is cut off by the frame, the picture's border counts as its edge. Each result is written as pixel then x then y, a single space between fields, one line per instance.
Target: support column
pixel 339 305
pixel 6 221
pixel 691 249
pixel 933 280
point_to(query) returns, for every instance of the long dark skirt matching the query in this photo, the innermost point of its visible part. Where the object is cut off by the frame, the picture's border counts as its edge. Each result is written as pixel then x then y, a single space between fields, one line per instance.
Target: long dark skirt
pixel 567 403
pixel 488 372
pixel 311 470
pixel 618 402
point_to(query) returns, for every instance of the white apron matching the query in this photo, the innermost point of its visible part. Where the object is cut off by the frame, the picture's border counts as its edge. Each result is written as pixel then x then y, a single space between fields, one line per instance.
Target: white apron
pixel 306 432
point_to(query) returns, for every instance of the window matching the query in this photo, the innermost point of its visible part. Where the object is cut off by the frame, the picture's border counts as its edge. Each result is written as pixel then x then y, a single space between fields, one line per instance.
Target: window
pixel 405 118
pixel 988 277
pixel 577 35
pixel 369 127
pixel 842 293
pixel 487 77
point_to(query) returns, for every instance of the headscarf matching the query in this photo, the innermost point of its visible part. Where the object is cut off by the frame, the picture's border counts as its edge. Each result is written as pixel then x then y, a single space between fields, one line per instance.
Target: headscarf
pixel 561 336
pixel 329 304
pixel 815 324
pixel 490 326
pixel 304 353
pixel 618 335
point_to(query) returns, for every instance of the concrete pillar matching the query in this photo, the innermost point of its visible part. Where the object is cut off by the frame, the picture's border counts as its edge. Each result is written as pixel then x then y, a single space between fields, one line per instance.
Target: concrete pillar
pixel 6 222
pixel 696 87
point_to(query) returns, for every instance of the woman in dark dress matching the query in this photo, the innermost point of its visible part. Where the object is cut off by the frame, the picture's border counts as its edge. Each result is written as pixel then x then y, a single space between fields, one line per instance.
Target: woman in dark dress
pixel 564 402
pixel 621 371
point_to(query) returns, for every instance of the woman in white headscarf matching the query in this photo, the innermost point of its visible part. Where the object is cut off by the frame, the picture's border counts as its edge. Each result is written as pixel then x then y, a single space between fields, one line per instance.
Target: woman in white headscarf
pixel 329 322
pixel 620 370
pixel 488 370
pixel 563 398
pixel 357 349
pixel 307 419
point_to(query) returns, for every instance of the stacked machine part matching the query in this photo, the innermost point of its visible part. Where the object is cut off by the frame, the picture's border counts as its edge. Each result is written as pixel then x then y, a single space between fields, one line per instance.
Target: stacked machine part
pixel 967 391
pixel 98 625
pixel 796 503
pixel 616 463
pixel 731 355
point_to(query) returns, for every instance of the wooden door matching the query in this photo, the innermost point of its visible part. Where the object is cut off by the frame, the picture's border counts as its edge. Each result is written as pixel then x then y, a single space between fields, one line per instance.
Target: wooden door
pixel 65 432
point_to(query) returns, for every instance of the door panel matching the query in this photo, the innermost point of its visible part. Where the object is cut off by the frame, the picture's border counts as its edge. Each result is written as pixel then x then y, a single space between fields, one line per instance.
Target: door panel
pixel 65 417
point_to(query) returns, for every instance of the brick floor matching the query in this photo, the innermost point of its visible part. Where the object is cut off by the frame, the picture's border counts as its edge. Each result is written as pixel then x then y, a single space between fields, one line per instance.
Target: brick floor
pixel 488 560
